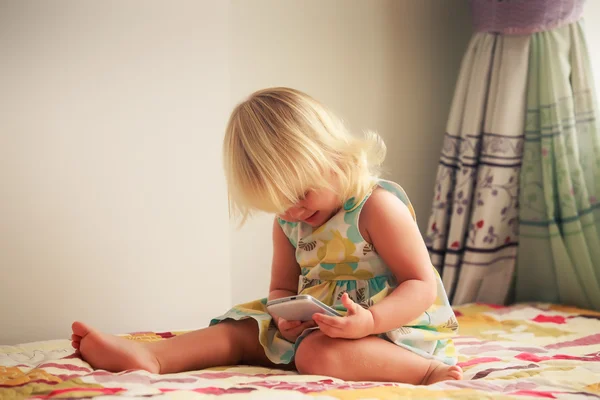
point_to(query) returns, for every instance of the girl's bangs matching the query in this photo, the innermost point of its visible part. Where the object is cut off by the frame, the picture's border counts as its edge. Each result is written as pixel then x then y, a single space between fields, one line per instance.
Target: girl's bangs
pixel 270 192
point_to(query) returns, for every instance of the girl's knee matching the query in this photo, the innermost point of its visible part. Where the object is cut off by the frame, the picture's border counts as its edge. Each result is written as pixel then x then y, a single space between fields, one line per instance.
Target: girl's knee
pixel 317 355
pixel 242 337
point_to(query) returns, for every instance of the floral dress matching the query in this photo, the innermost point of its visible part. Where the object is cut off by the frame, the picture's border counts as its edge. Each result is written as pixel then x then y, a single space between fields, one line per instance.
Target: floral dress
pixel 335 259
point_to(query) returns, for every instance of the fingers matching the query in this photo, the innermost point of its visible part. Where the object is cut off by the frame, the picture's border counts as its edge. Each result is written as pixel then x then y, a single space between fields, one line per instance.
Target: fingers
pixel 302 327
pixel 291 334
pixel 307 325
pixel 338 322
pixel 349 304
pixel 334 327
pixel 332 331
pixel 286 325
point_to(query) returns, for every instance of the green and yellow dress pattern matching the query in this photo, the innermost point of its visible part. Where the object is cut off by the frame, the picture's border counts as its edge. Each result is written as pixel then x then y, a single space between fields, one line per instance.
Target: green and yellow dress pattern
pixel 335 259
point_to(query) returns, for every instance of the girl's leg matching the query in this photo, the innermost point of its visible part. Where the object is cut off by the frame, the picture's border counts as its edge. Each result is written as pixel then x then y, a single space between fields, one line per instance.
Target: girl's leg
pixel 228 343
pixel 369 359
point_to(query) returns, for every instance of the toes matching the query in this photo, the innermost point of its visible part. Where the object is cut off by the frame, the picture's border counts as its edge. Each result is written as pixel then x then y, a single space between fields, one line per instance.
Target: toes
pixel 455 372
pixel 456 369
pixel 80 329
pixel 443 372
pixel 75 341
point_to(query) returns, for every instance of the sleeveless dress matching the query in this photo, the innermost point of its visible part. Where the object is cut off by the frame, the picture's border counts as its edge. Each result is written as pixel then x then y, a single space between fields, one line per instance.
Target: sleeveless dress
pixel 335 259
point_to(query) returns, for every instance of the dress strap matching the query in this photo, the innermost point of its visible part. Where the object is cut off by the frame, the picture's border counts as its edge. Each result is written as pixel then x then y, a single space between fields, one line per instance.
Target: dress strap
pixel 352 210
pixel 290 229
pixel 399 192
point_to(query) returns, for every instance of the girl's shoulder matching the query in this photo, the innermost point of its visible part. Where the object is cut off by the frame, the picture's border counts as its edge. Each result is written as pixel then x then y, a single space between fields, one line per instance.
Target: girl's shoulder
pixel 290 229
pixel 394 189
pixel 385 194
pixel 386 201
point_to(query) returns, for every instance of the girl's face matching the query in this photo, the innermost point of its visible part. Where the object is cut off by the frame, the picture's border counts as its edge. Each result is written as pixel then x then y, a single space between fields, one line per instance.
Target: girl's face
pixel 316 208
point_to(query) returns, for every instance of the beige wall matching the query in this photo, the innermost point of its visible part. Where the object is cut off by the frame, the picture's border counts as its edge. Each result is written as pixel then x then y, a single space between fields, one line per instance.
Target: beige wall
pixel 113 204
pixel 387 65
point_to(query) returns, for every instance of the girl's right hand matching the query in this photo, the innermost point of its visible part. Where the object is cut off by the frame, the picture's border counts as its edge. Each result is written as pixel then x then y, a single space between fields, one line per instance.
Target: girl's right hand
pixel 290 330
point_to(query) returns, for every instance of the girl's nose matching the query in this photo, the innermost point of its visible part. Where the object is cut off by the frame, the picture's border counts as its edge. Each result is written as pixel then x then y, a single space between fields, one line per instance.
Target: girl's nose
pixel 295 212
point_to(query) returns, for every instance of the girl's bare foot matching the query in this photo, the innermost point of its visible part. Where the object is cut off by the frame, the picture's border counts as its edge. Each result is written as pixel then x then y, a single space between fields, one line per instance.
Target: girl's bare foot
pixel 112 353
pixel 439 372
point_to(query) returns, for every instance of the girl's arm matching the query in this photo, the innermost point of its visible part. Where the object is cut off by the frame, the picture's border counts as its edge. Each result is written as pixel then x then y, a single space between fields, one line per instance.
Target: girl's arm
pixel 285 270
pixel 390 227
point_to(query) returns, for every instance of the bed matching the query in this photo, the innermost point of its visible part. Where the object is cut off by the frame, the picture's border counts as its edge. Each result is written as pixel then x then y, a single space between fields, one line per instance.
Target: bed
pixel 523 351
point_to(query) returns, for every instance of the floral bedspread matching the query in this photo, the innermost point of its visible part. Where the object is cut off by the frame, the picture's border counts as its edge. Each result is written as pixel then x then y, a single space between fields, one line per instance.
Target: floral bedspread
pixel 535 351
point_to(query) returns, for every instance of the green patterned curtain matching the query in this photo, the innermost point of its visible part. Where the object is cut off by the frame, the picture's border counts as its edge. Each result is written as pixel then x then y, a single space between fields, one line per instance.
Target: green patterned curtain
pixel 559 235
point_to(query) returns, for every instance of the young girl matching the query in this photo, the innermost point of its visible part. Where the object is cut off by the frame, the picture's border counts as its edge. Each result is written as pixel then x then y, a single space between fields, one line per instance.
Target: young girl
pixel 341 235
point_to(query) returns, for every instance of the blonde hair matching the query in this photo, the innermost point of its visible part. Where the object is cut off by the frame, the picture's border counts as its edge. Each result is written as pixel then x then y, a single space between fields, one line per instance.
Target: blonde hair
pixel 281 142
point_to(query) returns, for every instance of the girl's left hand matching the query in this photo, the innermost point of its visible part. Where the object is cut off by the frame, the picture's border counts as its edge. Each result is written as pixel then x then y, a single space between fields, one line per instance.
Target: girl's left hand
pixel 358 323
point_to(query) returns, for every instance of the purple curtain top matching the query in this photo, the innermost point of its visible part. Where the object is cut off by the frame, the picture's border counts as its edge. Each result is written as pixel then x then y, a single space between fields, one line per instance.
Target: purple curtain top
pixel 523 17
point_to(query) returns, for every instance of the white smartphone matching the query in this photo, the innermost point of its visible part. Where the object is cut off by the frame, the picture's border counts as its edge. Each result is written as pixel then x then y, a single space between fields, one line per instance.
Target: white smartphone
pixel 299 308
